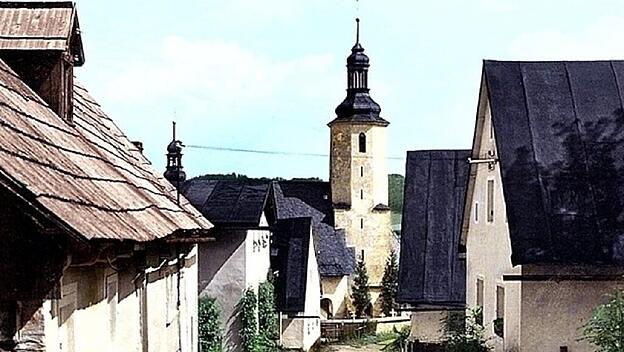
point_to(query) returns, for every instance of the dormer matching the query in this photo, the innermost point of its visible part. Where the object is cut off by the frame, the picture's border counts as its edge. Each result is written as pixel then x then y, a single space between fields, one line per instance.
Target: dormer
pixel 41 42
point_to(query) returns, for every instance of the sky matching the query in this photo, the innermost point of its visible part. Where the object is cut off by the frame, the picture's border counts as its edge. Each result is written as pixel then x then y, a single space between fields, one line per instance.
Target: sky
pixel 267 75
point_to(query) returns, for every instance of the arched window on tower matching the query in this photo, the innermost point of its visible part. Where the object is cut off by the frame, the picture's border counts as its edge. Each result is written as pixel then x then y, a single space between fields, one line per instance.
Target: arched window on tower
pixel 362 142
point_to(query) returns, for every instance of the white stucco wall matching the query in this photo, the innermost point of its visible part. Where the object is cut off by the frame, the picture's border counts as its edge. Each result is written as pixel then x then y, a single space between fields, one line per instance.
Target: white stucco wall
pixel 237 260
pixel 488 248
pixel 427 326
pixel 104 310
pixel 336 289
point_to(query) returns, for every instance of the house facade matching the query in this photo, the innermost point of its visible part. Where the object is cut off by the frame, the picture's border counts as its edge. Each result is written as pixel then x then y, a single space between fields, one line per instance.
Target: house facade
pixel 542 217
pixel 297 283
pixel 335 260
pixel 239 258
pixel 98 253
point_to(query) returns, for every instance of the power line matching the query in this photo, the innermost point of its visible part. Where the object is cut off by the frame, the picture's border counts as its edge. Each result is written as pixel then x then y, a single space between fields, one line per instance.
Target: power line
pixel 265 152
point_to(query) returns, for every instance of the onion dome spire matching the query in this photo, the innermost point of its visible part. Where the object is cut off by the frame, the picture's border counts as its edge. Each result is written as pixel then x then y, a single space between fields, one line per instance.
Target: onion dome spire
pixel 174 172
pixel 358 106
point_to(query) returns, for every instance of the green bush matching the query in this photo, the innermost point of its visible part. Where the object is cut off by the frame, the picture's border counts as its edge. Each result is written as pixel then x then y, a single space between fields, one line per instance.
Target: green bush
pixel 464 333
pixel 399 340
pixel 605 329
pixel 249 322
pixel 210 331
pixel 390 284
pixel 267 318
pixel 267 313
pixel 260 329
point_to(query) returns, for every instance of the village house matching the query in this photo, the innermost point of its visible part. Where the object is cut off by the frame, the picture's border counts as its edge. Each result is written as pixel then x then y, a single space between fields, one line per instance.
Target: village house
pixel 239 258
pixel 432 274
pixel 297 199
pixel 98 253
pixel 543 216
pixel 297 283
pixel 263 226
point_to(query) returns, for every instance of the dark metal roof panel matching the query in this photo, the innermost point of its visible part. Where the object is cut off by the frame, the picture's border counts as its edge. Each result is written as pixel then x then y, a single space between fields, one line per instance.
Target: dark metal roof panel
pixel 430 271
pixel 291 238
pixel 559 134
pixel 228 202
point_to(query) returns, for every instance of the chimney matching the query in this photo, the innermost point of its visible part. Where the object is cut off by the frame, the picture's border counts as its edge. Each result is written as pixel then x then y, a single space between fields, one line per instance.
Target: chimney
pixel 41 42
pixel 138 145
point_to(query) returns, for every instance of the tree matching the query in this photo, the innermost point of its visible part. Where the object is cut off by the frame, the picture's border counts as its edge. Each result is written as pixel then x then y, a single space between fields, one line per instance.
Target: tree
pixel 395 192
pixel 210 331
pixel 605 329
pixel 390 284
pixel 360 293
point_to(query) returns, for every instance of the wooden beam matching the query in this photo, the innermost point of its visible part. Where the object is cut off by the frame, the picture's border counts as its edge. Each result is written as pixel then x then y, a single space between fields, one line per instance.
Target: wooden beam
pixel 557 278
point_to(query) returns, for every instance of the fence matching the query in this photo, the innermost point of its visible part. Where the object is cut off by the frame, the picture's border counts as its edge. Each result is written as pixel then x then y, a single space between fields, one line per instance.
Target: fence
pixel 417 346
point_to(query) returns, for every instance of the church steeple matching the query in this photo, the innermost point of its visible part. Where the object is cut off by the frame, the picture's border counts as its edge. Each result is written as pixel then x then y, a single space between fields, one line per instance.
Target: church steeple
pixel 174 172
pixel 358 106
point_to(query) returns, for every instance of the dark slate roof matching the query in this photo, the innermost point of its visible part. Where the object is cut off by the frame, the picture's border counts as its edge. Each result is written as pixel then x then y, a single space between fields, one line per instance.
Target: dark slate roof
pixel 560 139
pixel 313 199
pixel 358 106
pixel 228 202
pixel 430 271
pixel 291 241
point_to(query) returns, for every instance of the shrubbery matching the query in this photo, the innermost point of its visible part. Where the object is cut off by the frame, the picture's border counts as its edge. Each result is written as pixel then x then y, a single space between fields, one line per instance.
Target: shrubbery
pixel 210 332
pixel 259 331
pixel 605 329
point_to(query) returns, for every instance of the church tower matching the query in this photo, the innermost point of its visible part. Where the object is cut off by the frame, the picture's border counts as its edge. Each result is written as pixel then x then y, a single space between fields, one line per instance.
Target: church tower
pixel 358 170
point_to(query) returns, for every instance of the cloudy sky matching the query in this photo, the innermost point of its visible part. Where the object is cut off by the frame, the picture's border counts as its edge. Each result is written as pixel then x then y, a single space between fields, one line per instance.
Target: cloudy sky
pixel 267 75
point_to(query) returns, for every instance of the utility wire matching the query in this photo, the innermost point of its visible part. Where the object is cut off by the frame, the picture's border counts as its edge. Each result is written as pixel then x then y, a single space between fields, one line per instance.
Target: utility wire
pixel 265 152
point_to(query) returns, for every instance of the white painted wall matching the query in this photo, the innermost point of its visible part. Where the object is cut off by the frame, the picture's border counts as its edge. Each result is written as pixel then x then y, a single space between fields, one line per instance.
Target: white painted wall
pixel 101 310
pixel 239 259
pixel 488 247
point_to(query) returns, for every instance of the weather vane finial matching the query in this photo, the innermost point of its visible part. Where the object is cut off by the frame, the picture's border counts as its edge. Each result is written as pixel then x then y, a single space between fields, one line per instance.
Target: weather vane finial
pixel 357 34
pixel 174 129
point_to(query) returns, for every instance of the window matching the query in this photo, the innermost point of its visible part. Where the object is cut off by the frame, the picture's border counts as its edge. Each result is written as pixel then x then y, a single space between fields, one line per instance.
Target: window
pixel 499 327
pixel 361 223
pixel 361 194
pixel 491 129
pixel 479 317
pixel 361 171
pixel 476 212
pixel 362 142
pixel 500 302
pixel 490 200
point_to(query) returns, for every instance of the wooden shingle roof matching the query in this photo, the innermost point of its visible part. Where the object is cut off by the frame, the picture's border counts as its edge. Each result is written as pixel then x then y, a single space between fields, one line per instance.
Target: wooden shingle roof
pixel 40 25
pixel 89 177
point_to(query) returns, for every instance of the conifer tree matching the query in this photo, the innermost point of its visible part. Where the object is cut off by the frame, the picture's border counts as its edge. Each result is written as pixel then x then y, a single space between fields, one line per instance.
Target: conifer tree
pixel 359 290
pixel 390 284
